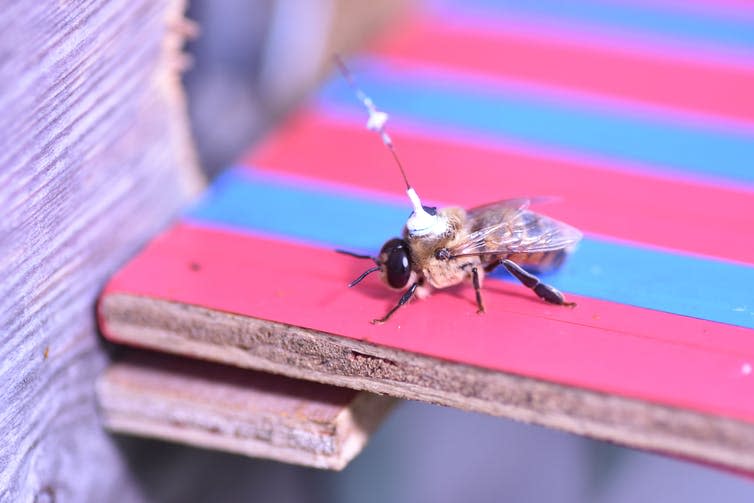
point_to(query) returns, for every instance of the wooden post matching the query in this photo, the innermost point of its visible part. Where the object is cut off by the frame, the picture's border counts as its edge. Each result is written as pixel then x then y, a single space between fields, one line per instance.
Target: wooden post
pixel 95 157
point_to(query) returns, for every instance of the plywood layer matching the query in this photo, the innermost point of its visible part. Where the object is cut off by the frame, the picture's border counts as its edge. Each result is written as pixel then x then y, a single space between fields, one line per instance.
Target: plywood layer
pixel 237 410
pixel 309 354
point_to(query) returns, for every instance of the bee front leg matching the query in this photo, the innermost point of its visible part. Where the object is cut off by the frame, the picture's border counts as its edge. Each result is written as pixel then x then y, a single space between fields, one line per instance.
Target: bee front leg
pixel 543 290
pixel 404 298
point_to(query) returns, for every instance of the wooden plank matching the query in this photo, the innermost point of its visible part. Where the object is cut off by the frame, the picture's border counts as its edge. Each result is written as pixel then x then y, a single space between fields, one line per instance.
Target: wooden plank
pixel 686 362
pixel 237 410
pixel 652 357
pixel 361 364
pixel 96 158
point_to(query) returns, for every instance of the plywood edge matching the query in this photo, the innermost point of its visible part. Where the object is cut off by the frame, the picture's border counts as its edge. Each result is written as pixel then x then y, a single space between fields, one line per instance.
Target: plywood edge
pixel 238 410
pixel 167 81
pixel 317 356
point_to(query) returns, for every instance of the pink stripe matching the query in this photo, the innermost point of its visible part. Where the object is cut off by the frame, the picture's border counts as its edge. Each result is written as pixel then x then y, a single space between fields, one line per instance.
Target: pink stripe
pixel 710 88
pixel 614 39
pixel 715 7
pixel 675 214
pixel 599 345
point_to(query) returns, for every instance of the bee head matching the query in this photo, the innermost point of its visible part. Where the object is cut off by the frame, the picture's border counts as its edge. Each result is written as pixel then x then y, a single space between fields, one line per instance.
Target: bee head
pixel 395 263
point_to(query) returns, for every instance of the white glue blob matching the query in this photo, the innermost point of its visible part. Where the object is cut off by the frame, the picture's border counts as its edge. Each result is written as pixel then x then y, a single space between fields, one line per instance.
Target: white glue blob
pixel 421 223
pixel 376 121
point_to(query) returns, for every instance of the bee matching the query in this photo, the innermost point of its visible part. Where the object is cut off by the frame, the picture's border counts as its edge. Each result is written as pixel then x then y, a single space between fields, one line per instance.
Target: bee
pixel 439 248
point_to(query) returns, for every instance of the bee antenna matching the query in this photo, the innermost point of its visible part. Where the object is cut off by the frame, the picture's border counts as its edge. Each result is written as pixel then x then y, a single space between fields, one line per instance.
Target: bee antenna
pixel 356 255
pixel 363 275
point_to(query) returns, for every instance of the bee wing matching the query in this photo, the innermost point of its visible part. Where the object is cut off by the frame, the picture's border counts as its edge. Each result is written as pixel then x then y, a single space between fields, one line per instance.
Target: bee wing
pixel 517 203
pixel 510 227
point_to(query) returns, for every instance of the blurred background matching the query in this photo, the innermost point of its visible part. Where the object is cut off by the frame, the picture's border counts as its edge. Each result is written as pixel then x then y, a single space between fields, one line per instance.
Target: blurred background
pixel 427 453
pixel 254 61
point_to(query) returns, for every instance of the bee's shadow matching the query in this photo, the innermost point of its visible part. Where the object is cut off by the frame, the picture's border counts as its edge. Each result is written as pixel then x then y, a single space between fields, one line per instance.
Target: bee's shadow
pixel 466 291
pixel 374 288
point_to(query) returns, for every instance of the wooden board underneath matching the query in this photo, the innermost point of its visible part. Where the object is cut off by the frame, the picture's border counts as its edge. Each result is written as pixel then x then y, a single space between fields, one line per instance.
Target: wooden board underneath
pixel 238 410
pixel 360 364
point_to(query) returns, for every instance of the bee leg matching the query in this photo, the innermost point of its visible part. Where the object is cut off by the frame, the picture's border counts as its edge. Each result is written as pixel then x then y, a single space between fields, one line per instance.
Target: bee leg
pixel 477 290
pixel 404 298
pixel 543 290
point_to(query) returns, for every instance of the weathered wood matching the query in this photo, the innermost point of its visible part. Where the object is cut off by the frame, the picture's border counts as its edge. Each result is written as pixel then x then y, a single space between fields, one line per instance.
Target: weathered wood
pixel 238 410
pixel 360 364
pixel 95 157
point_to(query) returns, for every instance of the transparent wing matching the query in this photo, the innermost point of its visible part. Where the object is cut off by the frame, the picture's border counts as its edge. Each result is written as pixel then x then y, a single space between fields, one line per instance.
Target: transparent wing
pixel 510 227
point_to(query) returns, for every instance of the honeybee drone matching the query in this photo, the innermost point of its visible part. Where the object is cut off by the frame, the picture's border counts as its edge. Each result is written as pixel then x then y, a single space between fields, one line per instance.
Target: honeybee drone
pixel 444 247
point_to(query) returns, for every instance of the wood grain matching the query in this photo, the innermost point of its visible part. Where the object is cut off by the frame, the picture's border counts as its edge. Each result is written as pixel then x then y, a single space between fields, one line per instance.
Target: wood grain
pixel 95 158
pixel 237 410
pixel 360 364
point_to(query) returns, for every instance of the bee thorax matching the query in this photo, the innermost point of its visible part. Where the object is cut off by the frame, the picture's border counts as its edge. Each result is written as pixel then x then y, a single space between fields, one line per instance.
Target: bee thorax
pixel 442 274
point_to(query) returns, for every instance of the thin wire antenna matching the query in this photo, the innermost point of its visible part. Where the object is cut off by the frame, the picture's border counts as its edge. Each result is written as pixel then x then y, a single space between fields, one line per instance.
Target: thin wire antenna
pixel 423 221
pixel 377 118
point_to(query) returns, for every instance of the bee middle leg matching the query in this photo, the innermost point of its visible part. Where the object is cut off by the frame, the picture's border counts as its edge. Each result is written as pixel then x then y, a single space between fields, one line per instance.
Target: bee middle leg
pixel 404 298
pixel 477 290
pixel 476 280
pixel 543 290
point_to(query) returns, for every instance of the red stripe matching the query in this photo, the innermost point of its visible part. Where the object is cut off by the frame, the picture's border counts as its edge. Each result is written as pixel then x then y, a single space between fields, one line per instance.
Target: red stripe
pixel 707 87
pixel 599 345
pixel 681 215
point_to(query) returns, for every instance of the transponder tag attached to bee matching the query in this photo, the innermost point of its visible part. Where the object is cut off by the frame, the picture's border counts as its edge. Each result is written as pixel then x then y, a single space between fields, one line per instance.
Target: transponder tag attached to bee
pixel 445 247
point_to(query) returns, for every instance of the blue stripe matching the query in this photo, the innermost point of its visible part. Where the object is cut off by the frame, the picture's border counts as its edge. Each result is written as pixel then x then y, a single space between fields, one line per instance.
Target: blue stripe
pixel 445 101
pixel 325 216
pixel 711 27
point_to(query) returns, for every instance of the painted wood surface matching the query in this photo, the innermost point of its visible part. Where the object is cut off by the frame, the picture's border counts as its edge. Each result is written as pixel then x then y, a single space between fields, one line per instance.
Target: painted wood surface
pixel 659 352
pixel 94 159
pixel 237 410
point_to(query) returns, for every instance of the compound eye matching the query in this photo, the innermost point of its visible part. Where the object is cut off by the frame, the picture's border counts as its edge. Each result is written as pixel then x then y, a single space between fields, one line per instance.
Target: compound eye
pixel 397 262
